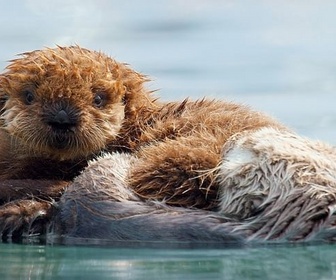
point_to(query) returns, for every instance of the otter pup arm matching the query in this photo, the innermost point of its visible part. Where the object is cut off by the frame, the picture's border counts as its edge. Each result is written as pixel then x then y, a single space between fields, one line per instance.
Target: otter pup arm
pixel 24 217
pixel 180 172
pixel 27 205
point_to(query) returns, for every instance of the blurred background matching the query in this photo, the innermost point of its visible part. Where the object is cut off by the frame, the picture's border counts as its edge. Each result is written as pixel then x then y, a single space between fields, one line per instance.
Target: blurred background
pixel 277 56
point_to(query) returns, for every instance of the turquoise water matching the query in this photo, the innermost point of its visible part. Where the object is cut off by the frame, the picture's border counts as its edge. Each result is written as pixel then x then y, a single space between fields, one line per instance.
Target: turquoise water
pixel 48 262
pixel 277 56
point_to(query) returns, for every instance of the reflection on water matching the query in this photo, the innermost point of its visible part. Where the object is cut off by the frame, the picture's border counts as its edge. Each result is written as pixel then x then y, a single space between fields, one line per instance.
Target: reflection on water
pixel 40 262
pixel 278 56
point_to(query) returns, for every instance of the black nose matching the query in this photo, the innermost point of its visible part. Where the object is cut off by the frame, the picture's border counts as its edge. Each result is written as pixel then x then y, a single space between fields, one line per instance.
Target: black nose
pixel 62 117
pixel 61 120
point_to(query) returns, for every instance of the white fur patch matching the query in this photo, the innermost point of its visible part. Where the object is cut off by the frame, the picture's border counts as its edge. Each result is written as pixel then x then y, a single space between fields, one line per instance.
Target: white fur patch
pixel 236 158
pixel 266 165
pixel 117 163
pixel 108 173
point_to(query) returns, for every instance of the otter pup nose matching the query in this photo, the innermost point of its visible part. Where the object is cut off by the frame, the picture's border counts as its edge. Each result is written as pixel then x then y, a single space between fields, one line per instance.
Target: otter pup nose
pixel 62 121
pixel 62 117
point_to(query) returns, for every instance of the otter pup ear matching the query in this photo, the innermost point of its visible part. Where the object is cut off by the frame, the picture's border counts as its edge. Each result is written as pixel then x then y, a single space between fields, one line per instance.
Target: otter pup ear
pixel 131 83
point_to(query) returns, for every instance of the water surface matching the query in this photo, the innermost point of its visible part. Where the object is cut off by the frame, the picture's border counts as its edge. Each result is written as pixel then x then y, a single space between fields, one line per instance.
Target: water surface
pixel 48 262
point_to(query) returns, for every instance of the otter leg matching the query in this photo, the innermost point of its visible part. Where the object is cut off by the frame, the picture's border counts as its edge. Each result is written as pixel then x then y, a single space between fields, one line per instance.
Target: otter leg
pixel 179 172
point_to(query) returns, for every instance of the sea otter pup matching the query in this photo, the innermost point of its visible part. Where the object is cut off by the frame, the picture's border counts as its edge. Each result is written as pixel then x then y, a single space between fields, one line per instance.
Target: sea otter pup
pixel 64 107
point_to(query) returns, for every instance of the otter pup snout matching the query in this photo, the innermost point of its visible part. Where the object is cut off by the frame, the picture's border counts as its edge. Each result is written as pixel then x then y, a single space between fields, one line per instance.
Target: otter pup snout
pixel 61 118
pixel 63 122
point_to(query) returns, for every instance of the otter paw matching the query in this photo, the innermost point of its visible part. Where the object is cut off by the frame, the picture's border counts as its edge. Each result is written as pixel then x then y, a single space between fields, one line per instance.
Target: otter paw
pixel 23 218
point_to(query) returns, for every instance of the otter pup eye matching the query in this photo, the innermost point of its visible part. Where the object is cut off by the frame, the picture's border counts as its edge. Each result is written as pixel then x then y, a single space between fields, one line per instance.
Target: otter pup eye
pixel 28 97
pixel 100 99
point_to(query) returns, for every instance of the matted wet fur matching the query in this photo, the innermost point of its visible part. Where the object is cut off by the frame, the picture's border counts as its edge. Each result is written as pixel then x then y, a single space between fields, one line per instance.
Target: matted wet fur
pixel 64 107
pixel 275 186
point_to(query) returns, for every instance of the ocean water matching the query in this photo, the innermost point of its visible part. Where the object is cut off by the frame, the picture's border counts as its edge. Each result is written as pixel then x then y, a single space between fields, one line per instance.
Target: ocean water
pixel 46 262
pixel 277 56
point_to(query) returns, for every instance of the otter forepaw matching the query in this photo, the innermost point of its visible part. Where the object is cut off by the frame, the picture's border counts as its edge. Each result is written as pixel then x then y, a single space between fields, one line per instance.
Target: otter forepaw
pixel 23 218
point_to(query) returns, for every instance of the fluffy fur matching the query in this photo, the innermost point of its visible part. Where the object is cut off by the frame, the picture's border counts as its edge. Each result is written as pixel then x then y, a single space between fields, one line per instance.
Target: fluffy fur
pixel 63 107
pixel 281 185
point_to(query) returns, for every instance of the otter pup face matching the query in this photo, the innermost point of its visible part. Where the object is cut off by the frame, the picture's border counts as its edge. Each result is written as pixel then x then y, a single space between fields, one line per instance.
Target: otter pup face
pixel 65 103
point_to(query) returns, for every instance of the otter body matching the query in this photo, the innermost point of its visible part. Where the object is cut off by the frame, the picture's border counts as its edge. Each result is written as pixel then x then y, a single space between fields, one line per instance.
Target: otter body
pixel 64 108
pixel 275 186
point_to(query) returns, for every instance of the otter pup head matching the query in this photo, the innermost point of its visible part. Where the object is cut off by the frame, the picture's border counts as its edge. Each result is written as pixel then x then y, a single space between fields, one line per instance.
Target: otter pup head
pixel 67 102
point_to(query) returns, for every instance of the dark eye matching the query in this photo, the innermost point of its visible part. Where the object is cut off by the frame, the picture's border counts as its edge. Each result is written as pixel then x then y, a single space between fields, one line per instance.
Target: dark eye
pixel 99 99
pixel 28 97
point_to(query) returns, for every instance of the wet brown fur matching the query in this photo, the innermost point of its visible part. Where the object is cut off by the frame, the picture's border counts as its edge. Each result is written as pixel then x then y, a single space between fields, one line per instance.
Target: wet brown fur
pixel 177 144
